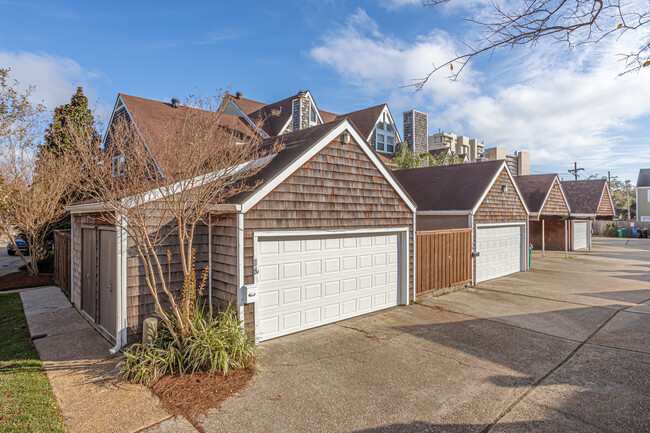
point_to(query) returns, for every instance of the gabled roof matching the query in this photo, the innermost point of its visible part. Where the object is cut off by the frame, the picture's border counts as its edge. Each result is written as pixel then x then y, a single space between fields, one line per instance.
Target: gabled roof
pixel 644 178
pixel 584 195
pixel 365 119
pixel 299 147
pixel 535 188
pixel 153 118
pixel 273 117
pixel 456 187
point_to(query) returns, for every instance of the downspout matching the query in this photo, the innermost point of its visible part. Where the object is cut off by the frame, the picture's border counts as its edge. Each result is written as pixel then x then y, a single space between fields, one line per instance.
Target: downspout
pixel 120 337
pixel 72 258
pixel 473 258
pixel 210 260
pixel 415 259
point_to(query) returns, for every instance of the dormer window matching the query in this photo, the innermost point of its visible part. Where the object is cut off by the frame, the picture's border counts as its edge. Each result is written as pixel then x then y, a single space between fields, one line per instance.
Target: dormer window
pixel 390 144
pixel 313 116
pixel 118 166
pixel 381 142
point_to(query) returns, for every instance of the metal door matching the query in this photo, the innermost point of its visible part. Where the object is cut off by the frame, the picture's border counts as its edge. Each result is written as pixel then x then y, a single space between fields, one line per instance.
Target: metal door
pixel 107 278
pixel 89 272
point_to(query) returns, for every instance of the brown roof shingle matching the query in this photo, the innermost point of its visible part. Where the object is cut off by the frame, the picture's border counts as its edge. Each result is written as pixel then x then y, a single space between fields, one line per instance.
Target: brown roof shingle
pixel 584 195
pixel 448 187
pixel 534 189
pixel 365 120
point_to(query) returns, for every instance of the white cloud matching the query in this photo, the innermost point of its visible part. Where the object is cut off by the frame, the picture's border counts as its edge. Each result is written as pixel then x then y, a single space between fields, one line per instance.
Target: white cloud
pixel 375 62
pixel 562 107
pixel 55 78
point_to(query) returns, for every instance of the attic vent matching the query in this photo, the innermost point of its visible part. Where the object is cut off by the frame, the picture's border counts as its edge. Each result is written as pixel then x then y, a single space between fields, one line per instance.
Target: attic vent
pixel 175 103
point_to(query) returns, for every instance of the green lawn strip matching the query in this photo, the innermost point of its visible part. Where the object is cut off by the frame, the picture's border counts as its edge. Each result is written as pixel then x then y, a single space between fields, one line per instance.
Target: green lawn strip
pixel 26 400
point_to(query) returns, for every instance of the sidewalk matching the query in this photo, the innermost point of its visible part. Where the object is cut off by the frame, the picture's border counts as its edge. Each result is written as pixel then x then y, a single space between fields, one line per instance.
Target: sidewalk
pixel 83 373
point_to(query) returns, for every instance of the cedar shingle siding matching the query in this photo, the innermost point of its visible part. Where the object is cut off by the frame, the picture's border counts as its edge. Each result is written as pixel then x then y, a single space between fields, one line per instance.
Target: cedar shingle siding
pixel 340 189
pixel 501 207
pixel 555 203
pixel 224 258
pixel 139 301
pixel 605 206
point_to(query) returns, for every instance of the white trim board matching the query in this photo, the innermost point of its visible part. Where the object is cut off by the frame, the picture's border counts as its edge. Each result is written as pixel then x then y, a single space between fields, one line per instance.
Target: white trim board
pixel 491 184
pixel 345 125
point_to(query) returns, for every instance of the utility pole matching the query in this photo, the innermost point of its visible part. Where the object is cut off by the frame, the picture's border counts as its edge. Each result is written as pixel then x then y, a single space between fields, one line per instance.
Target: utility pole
pixel 575 170
pixel 627 191
pixel 609 179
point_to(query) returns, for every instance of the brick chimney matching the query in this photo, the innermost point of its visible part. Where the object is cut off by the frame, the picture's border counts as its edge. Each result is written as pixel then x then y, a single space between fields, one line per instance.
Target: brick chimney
pixel 416 130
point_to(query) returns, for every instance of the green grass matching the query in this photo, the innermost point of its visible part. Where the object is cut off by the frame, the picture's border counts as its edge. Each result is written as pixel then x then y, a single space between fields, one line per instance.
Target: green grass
pixel 26 400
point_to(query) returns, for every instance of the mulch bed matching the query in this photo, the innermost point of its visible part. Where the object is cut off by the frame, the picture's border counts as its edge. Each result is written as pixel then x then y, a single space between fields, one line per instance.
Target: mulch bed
pixel 21 279
pixel 193 395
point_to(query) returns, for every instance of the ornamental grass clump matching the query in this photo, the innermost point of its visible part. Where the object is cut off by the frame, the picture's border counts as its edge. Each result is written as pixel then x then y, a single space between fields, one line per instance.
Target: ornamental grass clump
pixel 217 343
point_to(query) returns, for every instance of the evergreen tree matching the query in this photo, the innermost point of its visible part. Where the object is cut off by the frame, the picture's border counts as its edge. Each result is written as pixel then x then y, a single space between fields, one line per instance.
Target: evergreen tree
pixel 75 114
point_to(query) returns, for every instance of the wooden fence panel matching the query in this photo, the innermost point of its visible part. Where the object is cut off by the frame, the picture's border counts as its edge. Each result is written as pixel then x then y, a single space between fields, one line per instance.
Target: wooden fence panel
pixel 443 259
pixel 62 251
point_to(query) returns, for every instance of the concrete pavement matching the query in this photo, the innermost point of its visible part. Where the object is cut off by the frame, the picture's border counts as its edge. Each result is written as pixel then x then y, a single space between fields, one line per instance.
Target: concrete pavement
pixel 83 374
pixel 563 347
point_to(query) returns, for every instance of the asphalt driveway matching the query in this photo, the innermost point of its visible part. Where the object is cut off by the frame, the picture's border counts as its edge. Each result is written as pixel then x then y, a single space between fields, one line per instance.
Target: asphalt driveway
pixel 564 347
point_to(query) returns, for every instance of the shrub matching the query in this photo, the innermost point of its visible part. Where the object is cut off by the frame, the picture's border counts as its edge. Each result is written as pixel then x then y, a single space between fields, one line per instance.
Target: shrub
pixel 611 229
pixel 216 343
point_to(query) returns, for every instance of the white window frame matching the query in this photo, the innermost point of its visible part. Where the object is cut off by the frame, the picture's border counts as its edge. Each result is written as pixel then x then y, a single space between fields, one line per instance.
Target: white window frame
pixel 390 149
pixel 383 143
pixel 313 114
pixel 648 194
pixel 118 162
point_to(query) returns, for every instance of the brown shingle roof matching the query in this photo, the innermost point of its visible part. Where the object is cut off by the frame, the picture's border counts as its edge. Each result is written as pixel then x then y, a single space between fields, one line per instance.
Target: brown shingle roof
pixel 448 187
pixel 584 195
pixel 534 189
pixel 365 120
pixel 153 118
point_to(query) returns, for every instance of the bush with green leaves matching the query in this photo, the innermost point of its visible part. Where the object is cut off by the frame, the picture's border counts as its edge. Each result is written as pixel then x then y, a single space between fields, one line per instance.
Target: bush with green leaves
pixel 611 229
pixel 217 343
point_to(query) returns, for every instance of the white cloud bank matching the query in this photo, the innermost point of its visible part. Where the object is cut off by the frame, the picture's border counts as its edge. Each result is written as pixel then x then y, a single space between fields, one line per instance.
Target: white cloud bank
pixel 55 78
pixel 561 108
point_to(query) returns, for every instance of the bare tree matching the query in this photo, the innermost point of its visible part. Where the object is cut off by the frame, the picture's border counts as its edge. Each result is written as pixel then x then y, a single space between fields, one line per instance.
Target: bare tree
pixel 201 157
pixel 574 23
pixel 36 187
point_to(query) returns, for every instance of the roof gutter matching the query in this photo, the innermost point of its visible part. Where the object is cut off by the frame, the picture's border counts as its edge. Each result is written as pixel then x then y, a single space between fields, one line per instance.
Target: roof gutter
pixel 224 208
pixel 582 215
pixel 444 212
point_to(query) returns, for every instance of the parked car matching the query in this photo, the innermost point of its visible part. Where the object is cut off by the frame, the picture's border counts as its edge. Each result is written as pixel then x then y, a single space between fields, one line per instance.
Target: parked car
pixel 21 244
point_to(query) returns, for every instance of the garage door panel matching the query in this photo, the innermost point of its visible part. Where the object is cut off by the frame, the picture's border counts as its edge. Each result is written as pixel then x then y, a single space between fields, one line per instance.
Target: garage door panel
pixel 580 234
pixel 500 251
pixel 338 278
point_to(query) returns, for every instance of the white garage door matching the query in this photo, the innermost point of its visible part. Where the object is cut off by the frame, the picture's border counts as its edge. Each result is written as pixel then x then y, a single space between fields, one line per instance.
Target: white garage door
pixel 580 234
pixel 311 281
pixel 500 251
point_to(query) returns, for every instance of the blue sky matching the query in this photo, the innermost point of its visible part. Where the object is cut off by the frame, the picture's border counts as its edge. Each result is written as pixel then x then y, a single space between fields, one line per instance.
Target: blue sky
pixel 562 108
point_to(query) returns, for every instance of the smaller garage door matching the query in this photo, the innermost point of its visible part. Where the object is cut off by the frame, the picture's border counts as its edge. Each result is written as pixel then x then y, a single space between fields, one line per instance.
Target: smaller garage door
pixel 580 229
pixel 500 251
pixel 304 282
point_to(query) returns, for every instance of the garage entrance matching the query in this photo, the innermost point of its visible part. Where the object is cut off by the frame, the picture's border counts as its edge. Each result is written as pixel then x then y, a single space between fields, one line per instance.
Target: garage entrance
pixel 500 250
pixel 99 266
pixel 304 282
pixel 580 234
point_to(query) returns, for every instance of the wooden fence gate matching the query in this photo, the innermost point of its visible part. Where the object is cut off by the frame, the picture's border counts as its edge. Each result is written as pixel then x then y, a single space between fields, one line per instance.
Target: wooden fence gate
pixel 62 253
pixel 444 259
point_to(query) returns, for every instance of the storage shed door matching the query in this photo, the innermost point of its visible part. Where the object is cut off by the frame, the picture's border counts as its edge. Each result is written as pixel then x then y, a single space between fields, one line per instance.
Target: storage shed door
pixel 501 251
pixel 580 234
pixel 304 282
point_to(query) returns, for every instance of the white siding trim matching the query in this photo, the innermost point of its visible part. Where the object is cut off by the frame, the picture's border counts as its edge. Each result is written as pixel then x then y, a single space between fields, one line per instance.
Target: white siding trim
pixel 240 265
